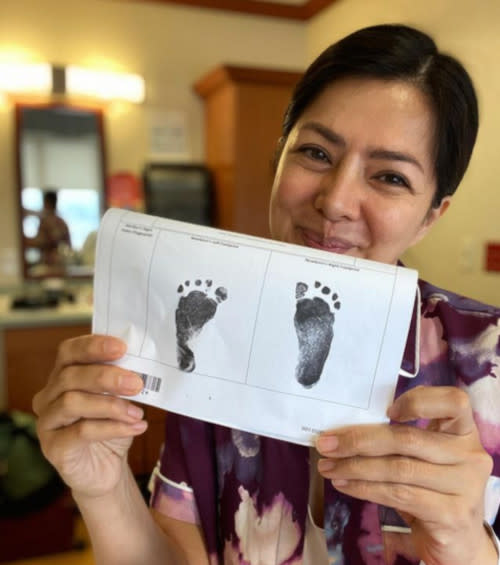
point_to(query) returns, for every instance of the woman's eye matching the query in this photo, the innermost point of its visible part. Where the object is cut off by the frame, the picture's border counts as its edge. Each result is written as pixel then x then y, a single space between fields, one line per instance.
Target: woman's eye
pixel 315 153
pixel 394 179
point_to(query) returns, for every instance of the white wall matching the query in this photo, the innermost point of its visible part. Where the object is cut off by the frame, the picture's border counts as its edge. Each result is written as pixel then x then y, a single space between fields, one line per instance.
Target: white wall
pixel 452 255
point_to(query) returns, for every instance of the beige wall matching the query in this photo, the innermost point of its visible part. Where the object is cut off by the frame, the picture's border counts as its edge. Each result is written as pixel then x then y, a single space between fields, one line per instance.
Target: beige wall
pixel 452 255
pixel 171 46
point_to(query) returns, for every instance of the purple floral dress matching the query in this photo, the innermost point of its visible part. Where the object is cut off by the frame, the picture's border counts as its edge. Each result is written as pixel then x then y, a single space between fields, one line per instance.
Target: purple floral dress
pixel 250 493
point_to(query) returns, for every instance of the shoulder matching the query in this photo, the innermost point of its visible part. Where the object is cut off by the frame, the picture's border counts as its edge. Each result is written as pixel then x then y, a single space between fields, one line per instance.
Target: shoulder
pixel 468 330
pixel 433 296
pixel 466 348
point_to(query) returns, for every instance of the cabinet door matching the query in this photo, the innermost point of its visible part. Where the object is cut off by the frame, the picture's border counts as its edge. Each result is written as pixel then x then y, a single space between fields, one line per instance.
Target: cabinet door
pixel 145 450
pixel 29 358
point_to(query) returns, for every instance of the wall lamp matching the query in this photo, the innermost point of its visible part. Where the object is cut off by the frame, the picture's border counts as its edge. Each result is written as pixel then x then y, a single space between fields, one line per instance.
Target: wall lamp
pixel 105 85
pixel 42 78
pixel 32 78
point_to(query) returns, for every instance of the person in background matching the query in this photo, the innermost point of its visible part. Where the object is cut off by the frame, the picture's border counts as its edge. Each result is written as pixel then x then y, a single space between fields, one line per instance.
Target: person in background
pixel 52 232
pixel 375 141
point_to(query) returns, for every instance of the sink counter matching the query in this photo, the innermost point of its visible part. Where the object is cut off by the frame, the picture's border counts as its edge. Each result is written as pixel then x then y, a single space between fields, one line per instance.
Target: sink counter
pixel 63 315
pixel 67 313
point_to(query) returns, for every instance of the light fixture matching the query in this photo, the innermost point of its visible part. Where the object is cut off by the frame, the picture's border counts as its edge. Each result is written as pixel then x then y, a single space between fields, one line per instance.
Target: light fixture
pixel 105 85
pixel 25 78
pixel 43 78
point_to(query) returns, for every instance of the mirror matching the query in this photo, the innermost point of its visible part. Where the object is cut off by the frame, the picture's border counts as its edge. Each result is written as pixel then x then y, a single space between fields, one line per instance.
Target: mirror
pixel 61 188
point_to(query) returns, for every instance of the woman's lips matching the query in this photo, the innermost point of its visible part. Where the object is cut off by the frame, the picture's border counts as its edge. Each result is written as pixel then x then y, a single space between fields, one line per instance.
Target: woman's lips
pixel 332 244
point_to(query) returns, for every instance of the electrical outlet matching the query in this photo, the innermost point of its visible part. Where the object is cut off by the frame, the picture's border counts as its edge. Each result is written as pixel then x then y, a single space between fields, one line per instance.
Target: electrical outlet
pixel 492 257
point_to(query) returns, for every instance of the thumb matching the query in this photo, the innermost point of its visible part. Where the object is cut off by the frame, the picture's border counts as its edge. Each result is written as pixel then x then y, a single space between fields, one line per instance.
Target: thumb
pixel 448 408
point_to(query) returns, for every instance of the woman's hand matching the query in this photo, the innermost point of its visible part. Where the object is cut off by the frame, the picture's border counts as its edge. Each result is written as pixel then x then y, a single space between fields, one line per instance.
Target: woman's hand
pixel 434 477
pixel 84 429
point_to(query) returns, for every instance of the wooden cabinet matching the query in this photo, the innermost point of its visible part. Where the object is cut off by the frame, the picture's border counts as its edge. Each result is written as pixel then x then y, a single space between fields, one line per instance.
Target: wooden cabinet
pixel 29 354
pixel 145 450
pixel 244 108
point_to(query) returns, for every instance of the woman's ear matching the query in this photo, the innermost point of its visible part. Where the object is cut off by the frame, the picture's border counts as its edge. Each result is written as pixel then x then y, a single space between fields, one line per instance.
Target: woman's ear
pixel 431 218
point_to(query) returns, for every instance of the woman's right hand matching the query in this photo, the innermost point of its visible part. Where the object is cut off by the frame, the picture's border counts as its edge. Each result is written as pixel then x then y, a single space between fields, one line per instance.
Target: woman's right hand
pixel 85 430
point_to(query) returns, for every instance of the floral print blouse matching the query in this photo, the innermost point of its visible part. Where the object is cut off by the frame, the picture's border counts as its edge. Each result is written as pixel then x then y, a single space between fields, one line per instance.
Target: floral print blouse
pixel 250 493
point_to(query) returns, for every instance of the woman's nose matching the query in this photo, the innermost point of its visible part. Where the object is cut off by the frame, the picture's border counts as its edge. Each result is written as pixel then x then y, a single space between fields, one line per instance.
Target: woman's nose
pixel 339 195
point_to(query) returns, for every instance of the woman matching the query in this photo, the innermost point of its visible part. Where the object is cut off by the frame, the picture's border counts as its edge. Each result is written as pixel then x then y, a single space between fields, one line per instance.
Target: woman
pixel 375 141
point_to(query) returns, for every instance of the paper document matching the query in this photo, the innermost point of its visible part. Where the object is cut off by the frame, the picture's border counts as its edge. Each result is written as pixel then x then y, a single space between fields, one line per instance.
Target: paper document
pixel 268 337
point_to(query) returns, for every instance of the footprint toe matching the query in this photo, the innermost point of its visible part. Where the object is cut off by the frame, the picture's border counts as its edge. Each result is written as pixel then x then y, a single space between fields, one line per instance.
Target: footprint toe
pixel 300 290
pixel 221 294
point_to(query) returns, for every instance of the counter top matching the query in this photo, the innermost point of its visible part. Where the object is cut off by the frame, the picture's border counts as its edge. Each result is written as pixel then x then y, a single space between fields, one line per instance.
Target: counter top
pixel 63 315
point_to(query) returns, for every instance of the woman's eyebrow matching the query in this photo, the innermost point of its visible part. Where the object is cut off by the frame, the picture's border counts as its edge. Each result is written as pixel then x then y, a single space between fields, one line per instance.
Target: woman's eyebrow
pixel 378 153
pixel 325 132
pixel 388 155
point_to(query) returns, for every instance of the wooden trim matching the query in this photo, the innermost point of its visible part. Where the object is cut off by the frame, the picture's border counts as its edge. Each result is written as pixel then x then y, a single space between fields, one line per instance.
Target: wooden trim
pixel 307 10
pixel 103 204
pixel 225 73
pixel 17 145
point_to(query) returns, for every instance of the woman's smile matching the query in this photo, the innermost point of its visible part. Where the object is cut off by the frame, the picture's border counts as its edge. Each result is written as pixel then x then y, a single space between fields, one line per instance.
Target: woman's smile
pixel 332 244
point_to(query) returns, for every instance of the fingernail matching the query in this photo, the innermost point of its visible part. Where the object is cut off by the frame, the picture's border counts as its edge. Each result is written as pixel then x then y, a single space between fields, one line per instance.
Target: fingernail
pixel 131 383
pixel 325 465
pixel 140 426
pixel 135 412
pixel 327 443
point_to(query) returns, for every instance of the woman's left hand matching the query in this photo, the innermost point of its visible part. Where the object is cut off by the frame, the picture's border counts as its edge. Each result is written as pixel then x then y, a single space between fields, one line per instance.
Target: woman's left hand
pixel 434 477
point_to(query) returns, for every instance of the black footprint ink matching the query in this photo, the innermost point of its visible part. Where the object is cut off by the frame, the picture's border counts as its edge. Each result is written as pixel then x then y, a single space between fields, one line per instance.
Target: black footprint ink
pixel 193 312
pixel 314 326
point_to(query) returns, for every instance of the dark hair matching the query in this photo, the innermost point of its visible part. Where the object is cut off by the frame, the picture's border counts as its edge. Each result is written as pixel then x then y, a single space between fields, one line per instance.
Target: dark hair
pixel 50 198
pixel 398 52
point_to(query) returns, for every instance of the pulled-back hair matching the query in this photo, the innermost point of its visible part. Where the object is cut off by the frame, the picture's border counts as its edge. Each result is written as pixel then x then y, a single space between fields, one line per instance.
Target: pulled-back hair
pixel 402 53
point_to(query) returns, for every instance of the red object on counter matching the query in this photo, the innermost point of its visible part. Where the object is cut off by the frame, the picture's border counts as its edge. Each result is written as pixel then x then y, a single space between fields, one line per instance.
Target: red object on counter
pixel 124 190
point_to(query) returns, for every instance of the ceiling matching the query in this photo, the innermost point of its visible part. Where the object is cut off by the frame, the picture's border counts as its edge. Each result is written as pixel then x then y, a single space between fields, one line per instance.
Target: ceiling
pixel 291 9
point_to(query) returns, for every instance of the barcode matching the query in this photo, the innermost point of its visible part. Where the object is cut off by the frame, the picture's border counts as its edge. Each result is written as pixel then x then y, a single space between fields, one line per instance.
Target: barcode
pixel 151 383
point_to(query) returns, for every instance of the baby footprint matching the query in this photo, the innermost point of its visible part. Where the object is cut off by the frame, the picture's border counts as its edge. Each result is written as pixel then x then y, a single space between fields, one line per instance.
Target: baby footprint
pixel 195 308
pixel 314 326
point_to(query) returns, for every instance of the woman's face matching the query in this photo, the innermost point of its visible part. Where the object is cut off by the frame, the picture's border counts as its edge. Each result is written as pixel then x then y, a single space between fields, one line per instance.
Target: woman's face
pixel 356 174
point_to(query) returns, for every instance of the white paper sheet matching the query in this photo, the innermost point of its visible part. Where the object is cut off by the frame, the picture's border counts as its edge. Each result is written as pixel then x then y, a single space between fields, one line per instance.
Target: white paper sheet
pixel 271 338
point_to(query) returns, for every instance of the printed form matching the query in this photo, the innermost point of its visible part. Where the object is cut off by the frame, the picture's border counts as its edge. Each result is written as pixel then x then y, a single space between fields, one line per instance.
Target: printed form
pixel 271 338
